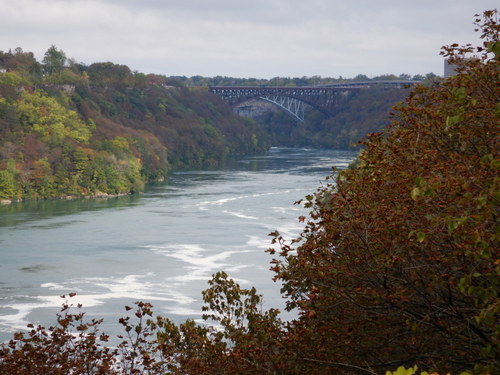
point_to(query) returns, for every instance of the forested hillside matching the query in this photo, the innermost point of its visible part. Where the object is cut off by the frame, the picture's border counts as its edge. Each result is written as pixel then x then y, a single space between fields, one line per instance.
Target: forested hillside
pixel 72 130
pixel 358 114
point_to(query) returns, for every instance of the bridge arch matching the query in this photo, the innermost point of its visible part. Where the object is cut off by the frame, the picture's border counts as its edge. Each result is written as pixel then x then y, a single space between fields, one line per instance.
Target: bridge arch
pixel 292 106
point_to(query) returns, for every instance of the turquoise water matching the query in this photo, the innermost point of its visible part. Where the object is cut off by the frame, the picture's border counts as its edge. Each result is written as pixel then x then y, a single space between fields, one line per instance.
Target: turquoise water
pixel 161 246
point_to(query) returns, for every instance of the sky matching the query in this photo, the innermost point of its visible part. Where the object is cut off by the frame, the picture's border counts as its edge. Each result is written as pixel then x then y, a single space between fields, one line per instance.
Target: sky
pixel 246 38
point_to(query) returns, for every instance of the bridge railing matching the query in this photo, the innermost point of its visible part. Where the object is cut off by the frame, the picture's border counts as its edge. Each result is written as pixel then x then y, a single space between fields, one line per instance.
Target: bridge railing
pixel 334 86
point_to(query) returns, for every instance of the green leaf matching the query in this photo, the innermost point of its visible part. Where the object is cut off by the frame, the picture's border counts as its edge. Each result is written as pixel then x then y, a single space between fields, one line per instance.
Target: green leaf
pixel 494 47
pixel 403 371
pixel 420 182
pixel 415 193
pixel 452 120
pixel 463 284
pixel 459 92
pixel 486 159
pixel 420 237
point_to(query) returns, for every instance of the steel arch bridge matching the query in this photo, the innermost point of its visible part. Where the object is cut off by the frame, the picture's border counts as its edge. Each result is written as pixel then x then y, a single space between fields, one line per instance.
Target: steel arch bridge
pixel 292 99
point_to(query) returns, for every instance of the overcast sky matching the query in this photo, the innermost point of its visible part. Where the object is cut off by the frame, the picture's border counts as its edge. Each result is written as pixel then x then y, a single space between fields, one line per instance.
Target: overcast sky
pixel 246 38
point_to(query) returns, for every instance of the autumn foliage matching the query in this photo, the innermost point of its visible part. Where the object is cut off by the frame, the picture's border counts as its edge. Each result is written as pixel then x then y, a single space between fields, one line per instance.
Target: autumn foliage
pixel 398 263
pixel 101 129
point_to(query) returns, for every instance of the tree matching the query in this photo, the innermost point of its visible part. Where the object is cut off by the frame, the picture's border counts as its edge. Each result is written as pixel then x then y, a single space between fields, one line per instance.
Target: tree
pixel 7 184
pixel 107 73
pixel 44 115
pixel 23 63
pixel 398 264
pixel 54 60
pixel 361 77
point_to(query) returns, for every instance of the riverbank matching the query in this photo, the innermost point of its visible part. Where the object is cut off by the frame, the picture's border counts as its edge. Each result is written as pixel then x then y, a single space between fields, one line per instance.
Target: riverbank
pixel 98 195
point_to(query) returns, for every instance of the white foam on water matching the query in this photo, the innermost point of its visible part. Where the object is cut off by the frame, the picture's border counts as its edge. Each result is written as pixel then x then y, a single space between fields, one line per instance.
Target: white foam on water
pixel 138 287
pixel 219 202
pixel 199 265
pixel 182 310
pixel 134 287
pixel 261 243
pixel 241 215
pixel 53 286
pixel 285 209
pixel 237 268
pixel 279 192
pixel 18 320
pixel 280 210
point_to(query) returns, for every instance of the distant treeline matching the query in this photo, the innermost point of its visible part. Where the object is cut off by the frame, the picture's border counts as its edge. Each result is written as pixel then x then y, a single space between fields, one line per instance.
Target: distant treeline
pixel 197 81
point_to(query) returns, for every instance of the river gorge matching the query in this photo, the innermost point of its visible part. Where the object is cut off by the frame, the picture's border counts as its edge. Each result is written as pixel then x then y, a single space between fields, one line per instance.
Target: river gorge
pixel 161 246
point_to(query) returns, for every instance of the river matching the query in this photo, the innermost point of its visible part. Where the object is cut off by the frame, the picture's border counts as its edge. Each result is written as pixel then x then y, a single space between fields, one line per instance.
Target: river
pixel 161 246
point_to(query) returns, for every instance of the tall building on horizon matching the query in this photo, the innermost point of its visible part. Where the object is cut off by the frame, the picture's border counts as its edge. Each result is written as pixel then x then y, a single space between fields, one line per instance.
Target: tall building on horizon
pixel 449 69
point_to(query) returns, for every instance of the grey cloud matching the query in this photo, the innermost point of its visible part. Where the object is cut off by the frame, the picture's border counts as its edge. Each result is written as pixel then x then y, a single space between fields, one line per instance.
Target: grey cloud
pixel 262 38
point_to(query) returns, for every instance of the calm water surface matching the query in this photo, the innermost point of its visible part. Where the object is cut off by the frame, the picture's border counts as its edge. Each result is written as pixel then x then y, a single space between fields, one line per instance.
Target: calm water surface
pixel 161 246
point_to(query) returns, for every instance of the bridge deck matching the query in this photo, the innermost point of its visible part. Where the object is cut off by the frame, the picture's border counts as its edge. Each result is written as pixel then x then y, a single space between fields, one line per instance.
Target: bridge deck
pixel 321 97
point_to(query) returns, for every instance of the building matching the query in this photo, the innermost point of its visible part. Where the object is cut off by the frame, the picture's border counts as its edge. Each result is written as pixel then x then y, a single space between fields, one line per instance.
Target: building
pixel 449 69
